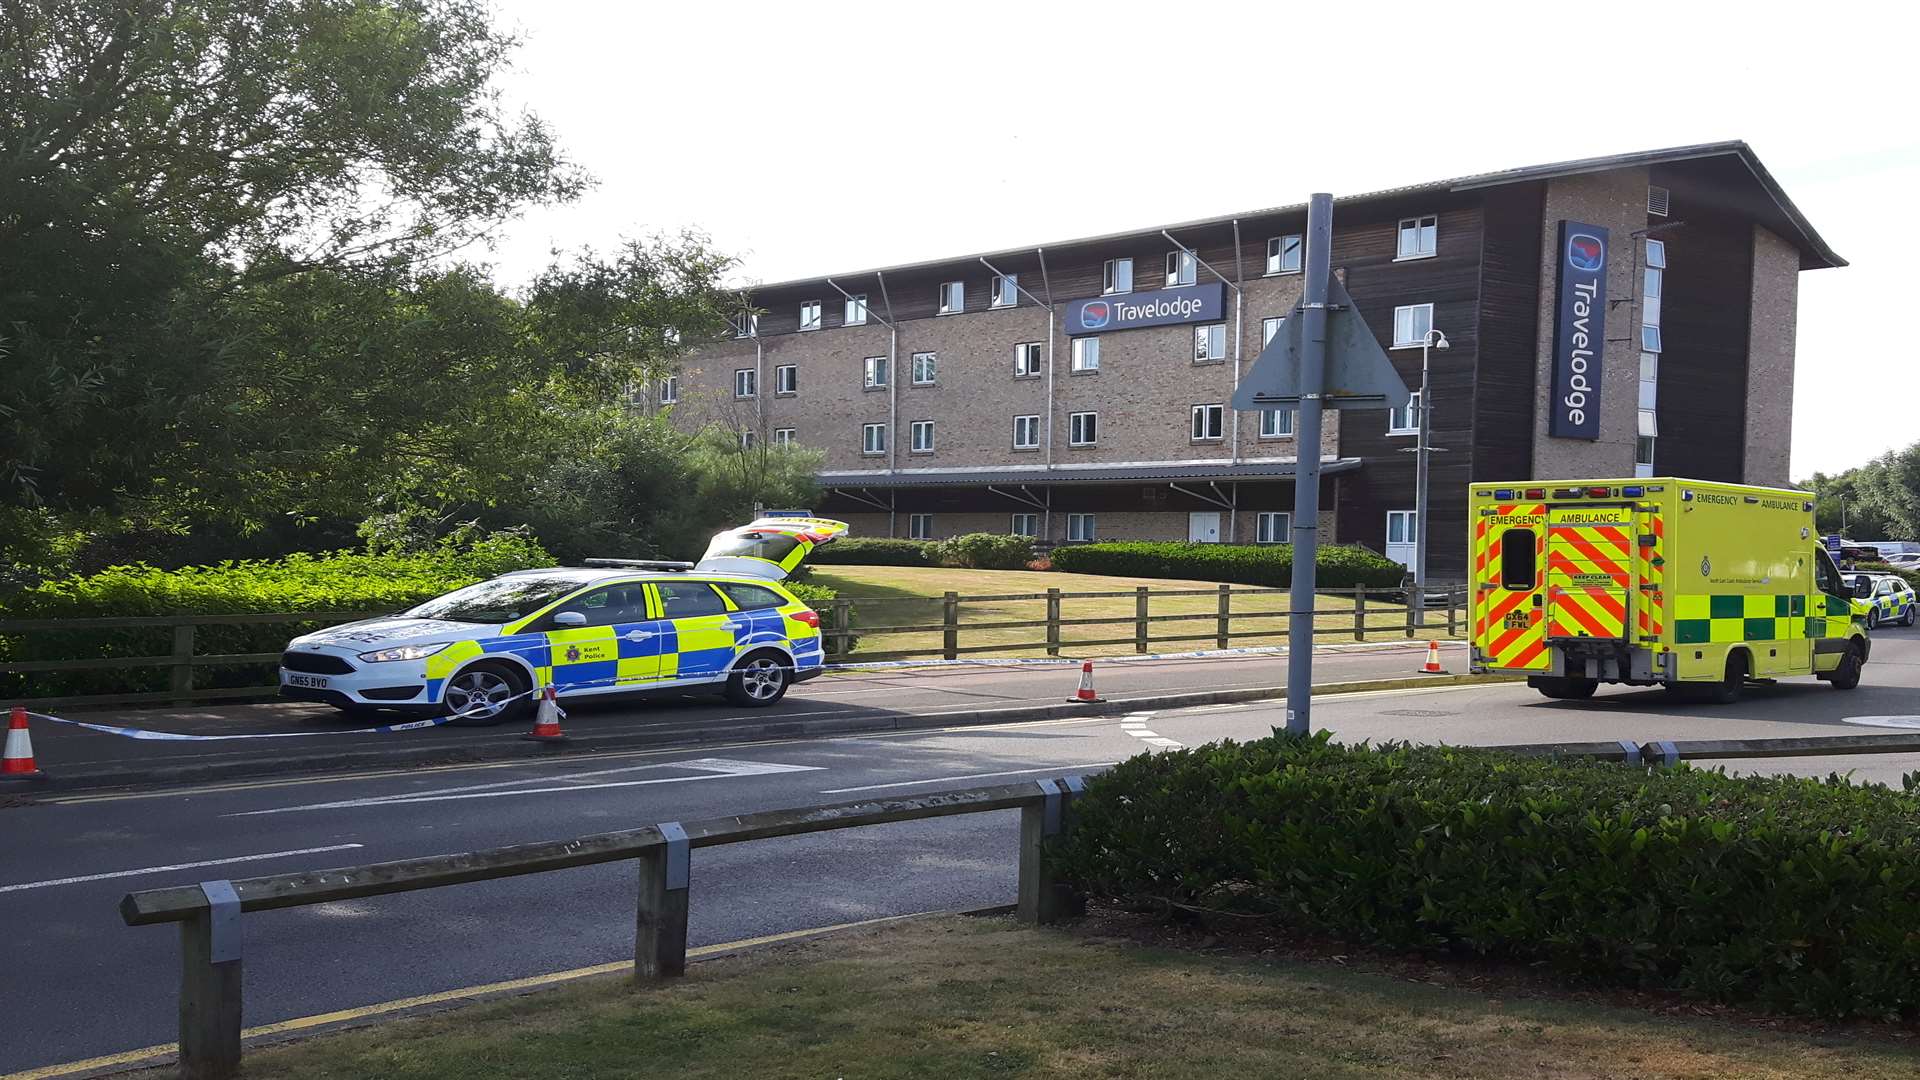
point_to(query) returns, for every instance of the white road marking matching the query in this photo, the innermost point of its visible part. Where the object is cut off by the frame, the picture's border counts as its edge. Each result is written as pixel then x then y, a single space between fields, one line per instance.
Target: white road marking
pixel 1142 733
pixel 970 776
pixel 176 866
pixel 1883 721
pixel 1165 744
pixel 1136 725
pixel 710 769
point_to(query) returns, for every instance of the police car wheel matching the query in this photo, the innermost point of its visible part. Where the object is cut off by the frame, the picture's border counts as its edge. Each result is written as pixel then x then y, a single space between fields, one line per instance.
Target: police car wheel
pixel 485 695
pixel 1910 616
pixel 1873 619
pixel 760 680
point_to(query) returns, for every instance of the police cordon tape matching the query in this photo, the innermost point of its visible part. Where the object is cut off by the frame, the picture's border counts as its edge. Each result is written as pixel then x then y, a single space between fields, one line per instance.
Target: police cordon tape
pixel 495 707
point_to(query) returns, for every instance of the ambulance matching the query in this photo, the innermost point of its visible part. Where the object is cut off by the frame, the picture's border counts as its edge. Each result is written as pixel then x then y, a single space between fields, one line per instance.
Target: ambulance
pixel 1698 587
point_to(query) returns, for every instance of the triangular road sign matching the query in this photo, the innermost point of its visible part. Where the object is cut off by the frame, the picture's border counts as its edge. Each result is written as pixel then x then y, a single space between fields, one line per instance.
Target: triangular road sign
pixel 1359 375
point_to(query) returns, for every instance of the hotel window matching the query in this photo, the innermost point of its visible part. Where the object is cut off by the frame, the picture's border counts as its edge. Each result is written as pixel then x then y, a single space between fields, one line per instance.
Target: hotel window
pixel 953 297
pixel 1117 276
pixel 1026 432
pixel 1027 358
pixel 786 380
pixel 921 437
pixel 1182 268
pixel 1006 292
pixel 1405 421
pixel 876 372
pixel 746 383
pixel 670 390
pixel 1410 324
pixel 1643 456
pixel 1209 343
pixel 1272 527
pixel 783 436
pixel 856 310
pixel 1283 254
pixel 1080 526
pixel 873 439
pixel 1209 422
pixel 1270 329
pixel 1653 285
pixel 1025 525
pixel 919 526
pixel 1083 429
pixel 746 325
pixel 1418 237
pixel 810 315
pixel 746 440
pixel 1086 354
pixel 926 367
pixel 1649 380
pixel 1276 423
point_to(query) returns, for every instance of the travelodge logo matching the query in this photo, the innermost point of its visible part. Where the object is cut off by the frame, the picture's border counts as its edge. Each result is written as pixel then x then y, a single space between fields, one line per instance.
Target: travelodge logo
pixel 1094 315
pixel 1586 252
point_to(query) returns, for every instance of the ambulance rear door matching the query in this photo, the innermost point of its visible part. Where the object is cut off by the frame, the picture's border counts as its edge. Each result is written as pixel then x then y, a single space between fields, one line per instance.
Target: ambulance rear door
pixel 1509 569
pixel 1591 575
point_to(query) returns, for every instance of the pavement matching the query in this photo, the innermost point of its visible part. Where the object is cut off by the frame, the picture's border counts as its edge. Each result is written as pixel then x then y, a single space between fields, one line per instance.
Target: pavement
pixel 317 738
pixel 79 984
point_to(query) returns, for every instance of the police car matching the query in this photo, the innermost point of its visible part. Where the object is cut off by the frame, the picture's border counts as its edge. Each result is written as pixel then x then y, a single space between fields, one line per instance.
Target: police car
pixel 1889 598
pixel 613 626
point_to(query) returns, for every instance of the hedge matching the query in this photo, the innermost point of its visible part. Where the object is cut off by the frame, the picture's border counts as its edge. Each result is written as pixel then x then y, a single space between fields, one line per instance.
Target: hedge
pixel 1338 567
pixel 873 551
pixel 332 582
pixel 984 551
pixel 1794 893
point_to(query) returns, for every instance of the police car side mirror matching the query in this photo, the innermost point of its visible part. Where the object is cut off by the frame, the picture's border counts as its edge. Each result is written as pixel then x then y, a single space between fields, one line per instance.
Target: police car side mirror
pixel 569 618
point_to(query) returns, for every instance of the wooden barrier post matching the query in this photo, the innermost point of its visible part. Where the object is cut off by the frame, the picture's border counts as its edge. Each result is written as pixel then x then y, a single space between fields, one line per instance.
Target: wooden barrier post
pixel 182 681
pixel 1359 613
pixel 1221 632
pixel 210 987
pixel 950 644
pixel 1043 898
pixel 1140 595
pixel 1053 622
pixel 660 925
pixel 1453 610
pixel 842 621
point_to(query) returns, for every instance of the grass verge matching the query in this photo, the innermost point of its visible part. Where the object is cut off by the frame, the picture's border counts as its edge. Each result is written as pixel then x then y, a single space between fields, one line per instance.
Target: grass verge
pixel 911 596
pixel 976 998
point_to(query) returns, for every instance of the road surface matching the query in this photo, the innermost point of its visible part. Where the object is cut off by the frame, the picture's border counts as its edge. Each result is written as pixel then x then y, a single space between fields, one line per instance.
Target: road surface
pixel 78 983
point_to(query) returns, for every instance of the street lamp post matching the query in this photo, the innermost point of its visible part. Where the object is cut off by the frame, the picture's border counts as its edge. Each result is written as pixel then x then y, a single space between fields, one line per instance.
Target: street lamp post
pixel 1423 449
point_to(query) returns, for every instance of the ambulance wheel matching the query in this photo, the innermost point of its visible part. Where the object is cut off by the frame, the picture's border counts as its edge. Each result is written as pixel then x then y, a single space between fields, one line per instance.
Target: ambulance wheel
pixel 1571 688
pixel 1727 690
pixel 760 680
pixel 487 694
pixel 1847 675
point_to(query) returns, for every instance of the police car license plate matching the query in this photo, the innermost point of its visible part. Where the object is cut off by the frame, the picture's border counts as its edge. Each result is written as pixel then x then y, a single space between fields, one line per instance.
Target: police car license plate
pixel 311 682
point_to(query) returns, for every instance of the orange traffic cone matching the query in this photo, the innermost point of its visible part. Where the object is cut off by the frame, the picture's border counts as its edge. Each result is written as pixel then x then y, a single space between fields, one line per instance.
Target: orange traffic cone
pixel 1432 666
pixel 546 719
pixel 16 762
pixel 1085 694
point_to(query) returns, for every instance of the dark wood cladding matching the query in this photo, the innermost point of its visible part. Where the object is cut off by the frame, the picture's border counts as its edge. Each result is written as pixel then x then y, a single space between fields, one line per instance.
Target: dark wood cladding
pixel 1509 333
pixel 1704 324
pixel 1450 281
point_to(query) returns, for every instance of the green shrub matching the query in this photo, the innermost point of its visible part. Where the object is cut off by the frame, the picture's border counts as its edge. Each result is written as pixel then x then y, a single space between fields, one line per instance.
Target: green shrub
pixel 1338 567
pixel 331 582
pixel 873 551
pixel 984 551
pixel 1794 893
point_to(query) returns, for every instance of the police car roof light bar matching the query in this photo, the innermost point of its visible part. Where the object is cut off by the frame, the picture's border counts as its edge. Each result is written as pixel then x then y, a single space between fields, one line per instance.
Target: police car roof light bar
pixel 639 564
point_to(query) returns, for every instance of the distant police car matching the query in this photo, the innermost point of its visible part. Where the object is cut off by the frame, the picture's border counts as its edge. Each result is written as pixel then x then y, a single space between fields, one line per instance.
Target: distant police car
pixel 614 626
pixel 1889 598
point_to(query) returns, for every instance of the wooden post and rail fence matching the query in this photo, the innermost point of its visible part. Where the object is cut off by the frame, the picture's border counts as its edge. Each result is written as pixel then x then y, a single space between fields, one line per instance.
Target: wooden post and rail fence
pixel 1220 628
pixel 209 913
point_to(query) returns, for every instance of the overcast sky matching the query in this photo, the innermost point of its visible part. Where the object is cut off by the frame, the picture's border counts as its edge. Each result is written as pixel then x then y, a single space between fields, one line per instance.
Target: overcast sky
pixel 811 140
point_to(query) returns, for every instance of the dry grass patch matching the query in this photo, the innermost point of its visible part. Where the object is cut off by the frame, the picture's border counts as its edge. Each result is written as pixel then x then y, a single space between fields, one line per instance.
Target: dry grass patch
pixel 911 596
pixel 978 998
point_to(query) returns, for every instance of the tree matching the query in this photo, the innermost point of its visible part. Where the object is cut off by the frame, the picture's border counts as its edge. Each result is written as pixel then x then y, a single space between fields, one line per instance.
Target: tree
pixel 1890 489
pixel 174 167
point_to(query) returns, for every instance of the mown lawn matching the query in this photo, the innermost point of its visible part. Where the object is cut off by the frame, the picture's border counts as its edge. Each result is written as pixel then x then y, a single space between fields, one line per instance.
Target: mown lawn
pixel 978 998
pixel 911 596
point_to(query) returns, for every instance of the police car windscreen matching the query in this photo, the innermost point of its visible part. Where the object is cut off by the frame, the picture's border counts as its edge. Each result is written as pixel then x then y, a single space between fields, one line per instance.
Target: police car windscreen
pixel 772 547
pixel 502 600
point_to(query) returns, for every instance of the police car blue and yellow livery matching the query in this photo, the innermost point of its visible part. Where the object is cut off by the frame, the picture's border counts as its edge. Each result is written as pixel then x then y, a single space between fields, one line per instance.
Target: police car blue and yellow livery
pixel 618 626
pixel 1883 599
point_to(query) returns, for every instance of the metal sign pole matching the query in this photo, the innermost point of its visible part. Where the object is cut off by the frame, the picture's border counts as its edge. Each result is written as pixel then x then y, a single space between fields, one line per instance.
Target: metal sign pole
pixel 1306 481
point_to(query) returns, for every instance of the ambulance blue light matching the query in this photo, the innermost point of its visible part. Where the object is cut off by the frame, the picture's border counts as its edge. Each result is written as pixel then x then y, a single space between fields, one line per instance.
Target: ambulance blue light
pixel 1503 493
pixel 1632 492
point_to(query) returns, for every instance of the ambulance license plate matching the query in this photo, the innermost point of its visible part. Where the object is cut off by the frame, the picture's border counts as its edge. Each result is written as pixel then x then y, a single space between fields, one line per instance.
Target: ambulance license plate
pixel 311 682
pixel 1518 620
